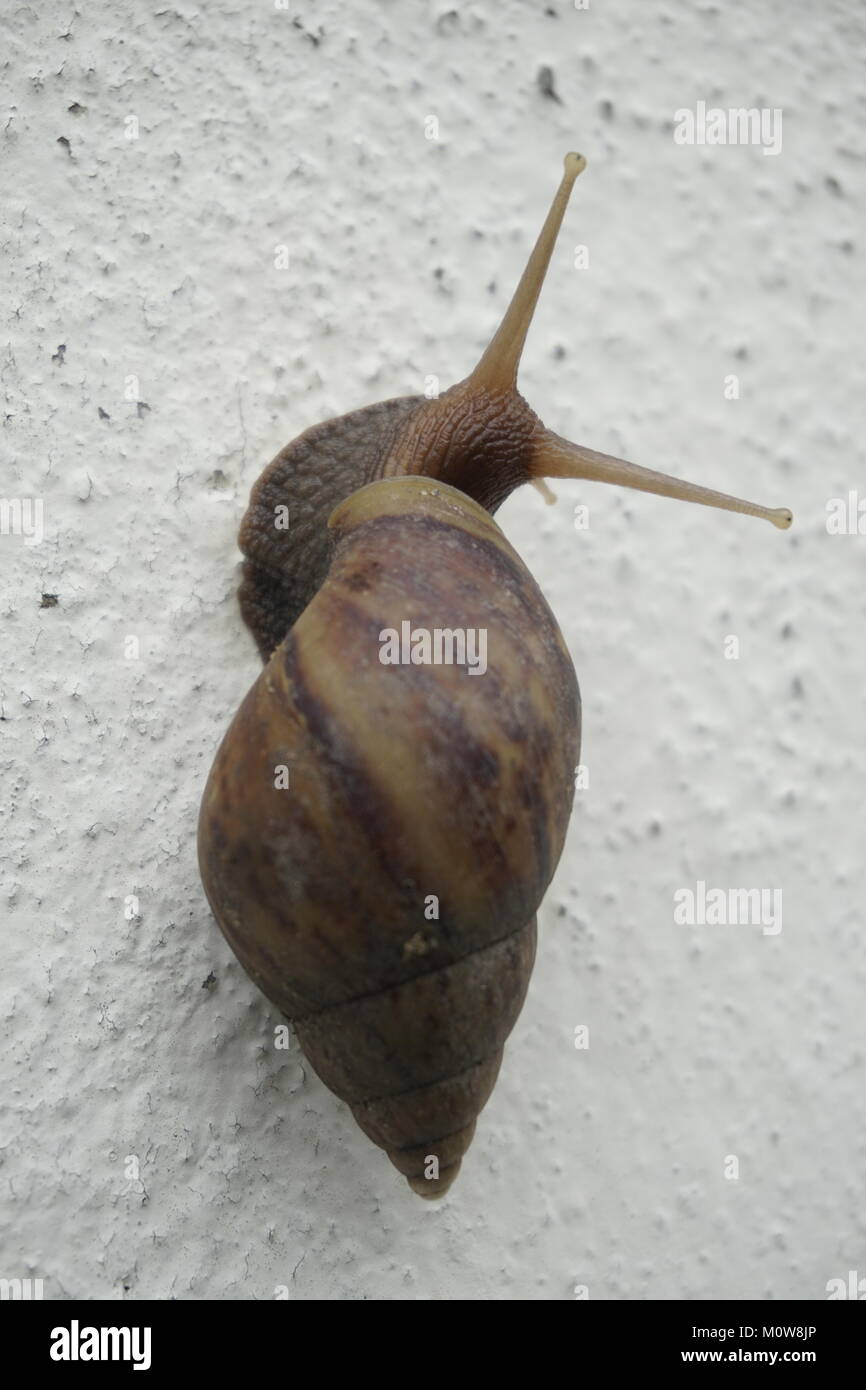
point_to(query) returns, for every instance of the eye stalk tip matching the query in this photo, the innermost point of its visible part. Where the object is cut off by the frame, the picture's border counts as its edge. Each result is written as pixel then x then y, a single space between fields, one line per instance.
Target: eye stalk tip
pixel 574 164
pixel 782 517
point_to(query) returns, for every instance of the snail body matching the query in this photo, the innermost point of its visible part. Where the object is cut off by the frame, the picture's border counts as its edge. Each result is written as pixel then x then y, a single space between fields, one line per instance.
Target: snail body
pixel 379 827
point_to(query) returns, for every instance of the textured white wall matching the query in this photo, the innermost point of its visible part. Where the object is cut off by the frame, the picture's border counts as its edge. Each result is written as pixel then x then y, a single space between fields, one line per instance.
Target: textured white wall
pixel 153 258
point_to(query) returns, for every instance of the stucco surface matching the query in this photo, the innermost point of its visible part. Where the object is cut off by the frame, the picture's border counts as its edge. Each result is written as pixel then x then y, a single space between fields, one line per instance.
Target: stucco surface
pixel 187 360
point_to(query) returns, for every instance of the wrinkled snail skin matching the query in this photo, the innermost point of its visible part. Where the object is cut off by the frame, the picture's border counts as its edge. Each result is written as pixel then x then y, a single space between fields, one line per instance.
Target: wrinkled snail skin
pixel 480 436
pixel 405 781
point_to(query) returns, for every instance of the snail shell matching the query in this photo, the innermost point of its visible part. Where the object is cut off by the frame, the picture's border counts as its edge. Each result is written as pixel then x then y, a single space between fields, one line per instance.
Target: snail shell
pixel 406 782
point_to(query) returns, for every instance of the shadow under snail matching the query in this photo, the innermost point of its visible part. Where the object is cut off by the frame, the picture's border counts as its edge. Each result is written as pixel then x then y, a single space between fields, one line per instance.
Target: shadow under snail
pixel 377 835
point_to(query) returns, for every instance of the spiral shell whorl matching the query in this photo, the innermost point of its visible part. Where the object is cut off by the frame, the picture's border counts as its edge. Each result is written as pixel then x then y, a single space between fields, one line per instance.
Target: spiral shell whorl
pixel 435 1042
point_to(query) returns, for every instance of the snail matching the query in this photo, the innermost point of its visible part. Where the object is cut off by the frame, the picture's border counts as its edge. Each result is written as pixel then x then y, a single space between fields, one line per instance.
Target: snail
pixel 379 827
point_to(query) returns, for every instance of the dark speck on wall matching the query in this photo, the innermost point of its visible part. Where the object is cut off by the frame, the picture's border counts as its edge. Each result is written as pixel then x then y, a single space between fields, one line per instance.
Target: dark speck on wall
pixel 546 85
